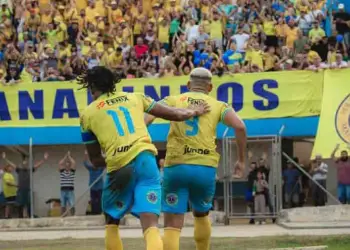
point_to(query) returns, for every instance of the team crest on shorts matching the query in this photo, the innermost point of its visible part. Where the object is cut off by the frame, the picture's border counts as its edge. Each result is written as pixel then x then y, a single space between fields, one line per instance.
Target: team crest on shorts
pixel 172 199
pixel 342 120
pixel 119 204
pixel 152 197
pixel 207 200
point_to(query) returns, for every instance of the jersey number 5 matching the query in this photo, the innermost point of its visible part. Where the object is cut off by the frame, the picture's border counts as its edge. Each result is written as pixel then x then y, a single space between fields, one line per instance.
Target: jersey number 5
pixel 193 123
pixel 117 123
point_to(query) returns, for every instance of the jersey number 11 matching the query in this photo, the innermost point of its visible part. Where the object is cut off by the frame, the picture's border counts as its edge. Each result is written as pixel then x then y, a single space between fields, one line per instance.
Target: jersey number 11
pixel 117 123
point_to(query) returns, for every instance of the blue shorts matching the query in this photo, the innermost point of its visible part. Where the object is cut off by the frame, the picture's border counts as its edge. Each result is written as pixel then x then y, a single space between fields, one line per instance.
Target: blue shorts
pixel 67 198
pixel 134 188
pixel 183 183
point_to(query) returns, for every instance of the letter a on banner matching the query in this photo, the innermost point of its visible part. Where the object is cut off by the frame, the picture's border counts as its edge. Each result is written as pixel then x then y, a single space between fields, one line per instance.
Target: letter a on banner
pixel 334 124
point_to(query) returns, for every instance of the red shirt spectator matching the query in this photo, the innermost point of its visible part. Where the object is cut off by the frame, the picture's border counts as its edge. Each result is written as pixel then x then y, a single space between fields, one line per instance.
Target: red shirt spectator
pixel 140 48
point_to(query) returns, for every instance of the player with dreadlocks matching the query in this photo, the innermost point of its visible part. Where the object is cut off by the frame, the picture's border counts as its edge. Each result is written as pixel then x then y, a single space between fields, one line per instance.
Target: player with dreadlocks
pixel 114 123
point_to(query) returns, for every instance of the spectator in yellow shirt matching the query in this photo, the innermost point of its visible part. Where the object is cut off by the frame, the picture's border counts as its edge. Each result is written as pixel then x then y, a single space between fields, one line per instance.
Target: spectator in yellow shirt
pixel 91 12
pixel 10 190
pixel 311 55
pixel 126 32
pixel 114 13
pixel 291 34
pixel 270 59
pixel 216 30
pixel 61 30
pixel 163 33
pixel 115 59
pixel 316 33
pixel 255 57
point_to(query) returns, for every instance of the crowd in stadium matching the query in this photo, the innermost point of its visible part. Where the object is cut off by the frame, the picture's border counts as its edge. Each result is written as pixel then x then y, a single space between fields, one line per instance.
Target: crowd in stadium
pixel 57 40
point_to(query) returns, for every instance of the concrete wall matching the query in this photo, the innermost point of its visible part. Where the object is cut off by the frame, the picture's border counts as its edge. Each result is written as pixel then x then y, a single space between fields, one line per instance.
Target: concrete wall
pixel 303 151
pixel 46 180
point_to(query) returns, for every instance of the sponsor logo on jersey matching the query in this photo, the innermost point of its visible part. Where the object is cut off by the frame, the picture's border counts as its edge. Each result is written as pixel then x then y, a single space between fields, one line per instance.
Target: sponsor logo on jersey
pixel 201 151
pixel 122 149
pixel 193 101
pixel 183 98
pixel 100 105
pixel 113 101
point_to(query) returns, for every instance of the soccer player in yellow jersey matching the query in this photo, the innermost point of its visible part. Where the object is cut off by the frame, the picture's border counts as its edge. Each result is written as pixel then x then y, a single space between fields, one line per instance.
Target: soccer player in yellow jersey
pixel 114 123
pixel 191 161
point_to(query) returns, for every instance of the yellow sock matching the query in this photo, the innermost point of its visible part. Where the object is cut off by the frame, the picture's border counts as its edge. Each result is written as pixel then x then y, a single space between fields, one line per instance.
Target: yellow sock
pixel 153 239
pixel 202 232
pixel 112 239
pixel 171 238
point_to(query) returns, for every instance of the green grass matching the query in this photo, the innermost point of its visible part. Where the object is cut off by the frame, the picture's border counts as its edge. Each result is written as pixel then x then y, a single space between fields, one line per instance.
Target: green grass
pixel 333 243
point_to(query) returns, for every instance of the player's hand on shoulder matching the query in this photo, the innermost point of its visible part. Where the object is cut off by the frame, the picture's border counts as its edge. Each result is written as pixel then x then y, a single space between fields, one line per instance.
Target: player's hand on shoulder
pixel 201 108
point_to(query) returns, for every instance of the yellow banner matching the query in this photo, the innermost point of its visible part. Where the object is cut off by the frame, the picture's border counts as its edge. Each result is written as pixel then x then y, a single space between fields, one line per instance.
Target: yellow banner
pixel 253 96
pixel 334 124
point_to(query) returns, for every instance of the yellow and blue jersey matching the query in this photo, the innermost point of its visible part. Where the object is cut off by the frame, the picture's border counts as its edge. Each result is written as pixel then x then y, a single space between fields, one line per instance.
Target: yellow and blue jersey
pixel 193 141
pixel 116 121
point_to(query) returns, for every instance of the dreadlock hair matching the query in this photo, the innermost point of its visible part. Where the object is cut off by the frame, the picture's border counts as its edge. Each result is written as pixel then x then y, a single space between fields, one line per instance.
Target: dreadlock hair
pixel 99 78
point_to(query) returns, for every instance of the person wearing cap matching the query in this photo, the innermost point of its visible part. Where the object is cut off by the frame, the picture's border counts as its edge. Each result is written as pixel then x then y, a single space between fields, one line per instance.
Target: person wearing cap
pixel 173 7
pixel 126 32
pixel 91 12
pixel 191 160
pixel 342 21
pixel 114 12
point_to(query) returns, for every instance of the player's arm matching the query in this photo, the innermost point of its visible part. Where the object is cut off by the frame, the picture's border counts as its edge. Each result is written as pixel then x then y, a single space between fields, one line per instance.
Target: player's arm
pixel 164 109
pixel 231 119
pixel 150 118
pixel 92 145
pixel 178 114
pixel 95 155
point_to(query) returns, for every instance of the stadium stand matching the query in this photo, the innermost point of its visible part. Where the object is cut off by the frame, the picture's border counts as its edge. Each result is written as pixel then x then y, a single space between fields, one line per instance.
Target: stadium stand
pixel 56 40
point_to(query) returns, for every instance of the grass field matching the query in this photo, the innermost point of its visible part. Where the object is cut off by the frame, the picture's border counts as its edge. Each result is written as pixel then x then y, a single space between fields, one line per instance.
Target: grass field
pixel 333 243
